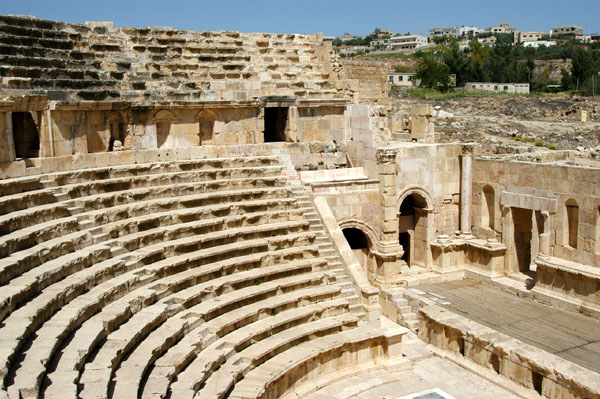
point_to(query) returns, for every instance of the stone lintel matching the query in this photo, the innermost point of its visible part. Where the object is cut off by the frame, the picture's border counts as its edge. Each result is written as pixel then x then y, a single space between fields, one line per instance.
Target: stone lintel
pixel 321 102
pixel 525 201
pixel 121 105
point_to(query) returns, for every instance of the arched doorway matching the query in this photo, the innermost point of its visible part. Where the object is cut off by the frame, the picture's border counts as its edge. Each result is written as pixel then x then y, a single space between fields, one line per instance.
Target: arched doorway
pixel 359 244
pixel 413 229
pixel 361 238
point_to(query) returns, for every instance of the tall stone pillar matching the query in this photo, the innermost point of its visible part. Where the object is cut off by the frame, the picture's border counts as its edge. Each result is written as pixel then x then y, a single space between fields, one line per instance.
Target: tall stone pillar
pixel 507 238
pixel 466 190
pixel 389 251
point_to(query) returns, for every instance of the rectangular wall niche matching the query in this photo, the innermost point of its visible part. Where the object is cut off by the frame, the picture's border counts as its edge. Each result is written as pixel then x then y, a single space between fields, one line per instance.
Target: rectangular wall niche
pixel 26 134
pixel 276 119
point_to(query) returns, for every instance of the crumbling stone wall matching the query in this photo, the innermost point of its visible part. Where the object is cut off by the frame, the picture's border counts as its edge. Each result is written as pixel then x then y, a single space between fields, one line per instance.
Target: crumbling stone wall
pixel 95 61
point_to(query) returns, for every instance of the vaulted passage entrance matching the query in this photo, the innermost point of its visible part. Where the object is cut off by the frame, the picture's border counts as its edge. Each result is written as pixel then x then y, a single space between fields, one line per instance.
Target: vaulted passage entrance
pixel 26 134
pixel 359 244
pixel 275 123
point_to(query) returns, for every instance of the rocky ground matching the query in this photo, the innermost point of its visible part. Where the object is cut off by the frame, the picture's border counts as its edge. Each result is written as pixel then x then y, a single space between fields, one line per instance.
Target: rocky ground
pixel 505 124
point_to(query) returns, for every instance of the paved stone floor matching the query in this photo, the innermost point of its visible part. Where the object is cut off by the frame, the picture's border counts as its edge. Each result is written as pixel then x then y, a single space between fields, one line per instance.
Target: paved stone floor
pixel 569 335
pixel 428 378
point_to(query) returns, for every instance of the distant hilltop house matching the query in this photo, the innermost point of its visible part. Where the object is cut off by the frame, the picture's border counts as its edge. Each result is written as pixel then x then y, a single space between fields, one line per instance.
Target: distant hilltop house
pixel 463 31
pixel 530 36
pixel 515 88
pixel 439 32
pixel 469 31
pixel 571 30
pixel 407 43
pixel 504 27
pixel 539 43
pixel 346 37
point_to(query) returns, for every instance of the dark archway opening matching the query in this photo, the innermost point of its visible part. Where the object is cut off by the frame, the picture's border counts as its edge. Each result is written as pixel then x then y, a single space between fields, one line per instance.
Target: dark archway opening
pixel 275 123
pixel 26 135
pixel 412 229
pixel 360 246
pixel 356 239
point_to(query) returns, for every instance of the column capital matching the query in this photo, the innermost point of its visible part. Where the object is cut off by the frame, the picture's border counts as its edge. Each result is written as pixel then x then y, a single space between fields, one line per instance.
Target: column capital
pixel 386 155
pixel 467 149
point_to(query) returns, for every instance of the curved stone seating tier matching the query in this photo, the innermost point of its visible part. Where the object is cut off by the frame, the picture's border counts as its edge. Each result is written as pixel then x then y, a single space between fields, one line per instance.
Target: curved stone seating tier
pixel 73 189
pixel 190 361
pixel 182 272
pixel 73 228
pixel 22 287
pixel 150 280
pixel 144 248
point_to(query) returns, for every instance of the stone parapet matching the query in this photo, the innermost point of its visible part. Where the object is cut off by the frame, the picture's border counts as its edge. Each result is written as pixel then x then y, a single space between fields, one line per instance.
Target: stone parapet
pixel 568 284
pixel 523 364
pixel 369 295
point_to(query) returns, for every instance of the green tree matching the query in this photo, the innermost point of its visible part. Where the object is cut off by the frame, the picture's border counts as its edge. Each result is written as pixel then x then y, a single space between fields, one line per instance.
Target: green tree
pixel 433 74
pixel 479 62
pixel 457 61
pixel 566 81
pixel 585 65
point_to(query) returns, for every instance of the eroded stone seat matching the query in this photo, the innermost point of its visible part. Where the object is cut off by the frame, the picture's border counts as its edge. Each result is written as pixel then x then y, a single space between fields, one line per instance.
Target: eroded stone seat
pixel 159 275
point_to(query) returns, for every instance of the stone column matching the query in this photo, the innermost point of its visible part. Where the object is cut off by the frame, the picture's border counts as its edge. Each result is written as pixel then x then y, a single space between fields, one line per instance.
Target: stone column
pixel 389 251
pixel 544 250
pixel 507 237
pixel 466 190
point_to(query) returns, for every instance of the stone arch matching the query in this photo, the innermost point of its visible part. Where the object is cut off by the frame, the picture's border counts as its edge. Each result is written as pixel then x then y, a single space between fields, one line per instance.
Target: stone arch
pixel 367 230
pixel 353 230
pixel 571 222
pixel 488 207
pixel 415 225
pixel 418 191
pixel 206 125
pixel 163 120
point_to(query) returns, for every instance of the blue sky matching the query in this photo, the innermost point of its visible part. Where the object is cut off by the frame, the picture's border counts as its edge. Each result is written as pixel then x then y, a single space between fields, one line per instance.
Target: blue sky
pixel 331 17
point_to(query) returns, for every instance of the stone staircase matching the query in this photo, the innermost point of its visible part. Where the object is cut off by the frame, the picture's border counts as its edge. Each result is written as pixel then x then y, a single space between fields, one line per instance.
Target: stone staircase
pixel 178 278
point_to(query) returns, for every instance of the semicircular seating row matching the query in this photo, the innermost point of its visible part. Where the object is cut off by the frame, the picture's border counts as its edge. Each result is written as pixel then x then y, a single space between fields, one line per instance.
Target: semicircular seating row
pixel 177 279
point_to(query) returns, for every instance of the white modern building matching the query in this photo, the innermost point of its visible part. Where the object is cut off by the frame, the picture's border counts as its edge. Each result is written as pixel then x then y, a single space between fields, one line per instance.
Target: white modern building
pixel 406 43
pixel 402 79
pixel 515 88
pixel 469 31
pixel 540 43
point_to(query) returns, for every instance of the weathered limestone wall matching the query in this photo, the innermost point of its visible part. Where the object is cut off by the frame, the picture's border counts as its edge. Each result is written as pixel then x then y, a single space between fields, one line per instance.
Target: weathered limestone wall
pixel 432 172
pixel 95 61
pixel 365 81
pixel 545 190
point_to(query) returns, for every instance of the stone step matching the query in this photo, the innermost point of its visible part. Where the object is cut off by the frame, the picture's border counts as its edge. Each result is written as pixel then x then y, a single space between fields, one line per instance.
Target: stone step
pixel 409 316
pixel 221 381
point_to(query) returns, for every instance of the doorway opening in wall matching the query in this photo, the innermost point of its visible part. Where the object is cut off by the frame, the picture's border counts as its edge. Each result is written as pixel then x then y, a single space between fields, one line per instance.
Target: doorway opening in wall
pixel 359 244
pixel 412 229
pixel 275 123
pixel 523 233
pixel 26 134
